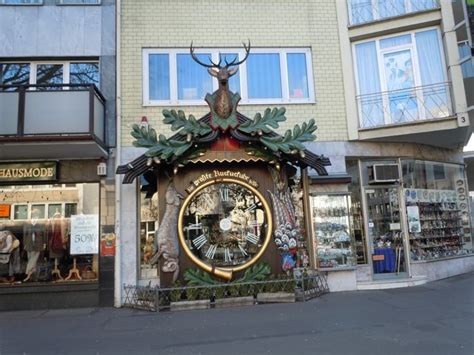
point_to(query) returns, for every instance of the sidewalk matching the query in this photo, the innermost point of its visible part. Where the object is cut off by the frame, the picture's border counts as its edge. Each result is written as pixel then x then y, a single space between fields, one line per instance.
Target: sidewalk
pixel 436 318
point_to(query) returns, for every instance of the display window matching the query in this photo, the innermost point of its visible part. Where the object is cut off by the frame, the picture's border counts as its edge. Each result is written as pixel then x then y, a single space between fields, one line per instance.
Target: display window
pixel 356 215
pixel 49 234
pixel 148 227
pixel 333 233
pixel 438 211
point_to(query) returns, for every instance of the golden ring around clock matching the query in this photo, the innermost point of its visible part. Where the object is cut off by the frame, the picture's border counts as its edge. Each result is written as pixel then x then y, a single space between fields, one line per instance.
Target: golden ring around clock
pixel 225 272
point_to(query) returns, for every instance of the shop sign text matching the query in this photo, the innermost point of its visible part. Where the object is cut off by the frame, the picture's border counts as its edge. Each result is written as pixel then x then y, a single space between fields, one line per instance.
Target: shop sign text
pixel 84 234
pixel 21 172
pixel 222 174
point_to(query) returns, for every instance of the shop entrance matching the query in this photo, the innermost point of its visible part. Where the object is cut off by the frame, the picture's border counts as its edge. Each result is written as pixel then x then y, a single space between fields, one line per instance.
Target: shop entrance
pixel 385 228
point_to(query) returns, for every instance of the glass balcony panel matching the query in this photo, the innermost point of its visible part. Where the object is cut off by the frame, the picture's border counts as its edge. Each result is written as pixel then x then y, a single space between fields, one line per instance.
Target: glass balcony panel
pixel 56 112
pixel 99 116
pixel 8 113
pixel 363 11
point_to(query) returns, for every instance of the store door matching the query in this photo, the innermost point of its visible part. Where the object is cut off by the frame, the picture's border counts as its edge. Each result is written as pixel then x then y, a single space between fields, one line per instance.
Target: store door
pixel 385 231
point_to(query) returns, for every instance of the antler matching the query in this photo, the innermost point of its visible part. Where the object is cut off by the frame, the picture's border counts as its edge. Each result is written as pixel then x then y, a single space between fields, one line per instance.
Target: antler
pixel 212 65
pixel 233 63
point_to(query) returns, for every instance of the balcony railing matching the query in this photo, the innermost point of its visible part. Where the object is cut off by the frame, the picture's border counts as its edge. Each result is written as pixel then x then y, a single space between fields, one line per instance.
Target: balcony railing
pixel 363 11
pixel 52 111
pixel 404 106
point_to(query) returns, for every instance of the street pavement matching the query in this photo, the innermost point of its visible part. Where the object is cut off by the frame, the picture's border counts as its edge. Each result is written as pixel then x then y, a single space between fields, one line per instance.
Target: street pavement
pixel 436 318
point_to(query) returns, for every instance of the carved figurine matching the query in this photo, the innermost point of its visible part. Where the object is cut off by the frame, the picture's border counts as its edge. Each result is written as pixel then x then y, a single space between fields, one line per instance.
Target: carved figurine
pixel 166 237
pixel 223 102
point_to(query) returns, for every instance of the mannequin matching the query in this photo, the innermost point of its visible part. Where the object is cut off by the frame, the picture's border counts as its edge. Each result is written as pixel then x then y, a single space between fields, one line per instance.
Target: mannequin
pixel 34 241
pixel 56 241
pixel 10 253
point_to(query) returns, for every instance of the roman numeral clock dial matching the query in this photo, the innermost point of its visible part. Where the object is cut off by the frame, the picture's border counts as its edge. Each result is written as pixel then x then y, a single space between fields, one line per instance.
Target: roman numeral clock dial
pixel 230 232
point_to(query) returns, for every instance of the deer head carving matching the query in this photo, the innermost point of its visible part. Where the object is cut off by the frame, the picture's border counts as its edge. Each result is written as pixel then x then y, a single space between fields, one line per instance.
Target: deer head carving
pixel 223 103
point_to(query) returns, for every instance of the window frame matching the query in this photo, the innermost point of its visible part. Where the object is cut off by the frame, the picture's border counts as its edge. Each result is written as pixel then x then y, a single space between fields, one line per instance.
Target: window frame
pixel 77 3
pixel 383 82
pixel 65 64
pixel 215 52
pixel 38 3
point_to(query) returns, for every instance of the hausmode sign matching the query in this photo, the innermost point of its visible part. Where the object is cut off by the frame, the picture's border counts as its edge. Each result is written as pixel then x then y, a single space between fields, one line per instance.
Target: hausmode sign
pixel 22 172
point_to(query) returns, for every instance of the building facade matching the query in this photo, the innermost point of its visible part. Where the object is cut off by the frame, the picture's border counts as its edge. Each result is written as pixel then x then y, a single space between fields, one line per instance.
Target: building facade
pixel 57 139
pixel 384 82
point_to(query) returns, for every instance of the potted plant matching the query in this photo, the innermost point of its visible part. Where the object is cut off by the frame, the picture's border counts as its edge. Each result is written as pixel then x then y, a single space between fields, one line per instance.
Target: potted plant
pixel 281 290
pixel 191 299
pixel 236 297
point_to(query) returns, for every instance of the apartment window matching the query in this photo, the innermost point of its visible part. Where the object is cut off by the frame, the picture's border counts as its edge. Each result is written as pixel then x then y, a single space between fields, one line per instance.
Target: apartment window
pixel 401 79
pixel 362 11
pixel 45 73
pixel 465 59
pixel 79 2
pixel 14 73
pixel 171 76
pixel 21 2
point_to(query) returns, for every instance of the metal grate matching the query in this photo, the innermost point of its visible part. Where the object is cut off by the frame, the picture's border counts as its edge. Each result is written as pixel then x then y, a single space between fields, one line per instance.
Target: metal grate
pixel 158 299
pixel 404 106
pixel 140 297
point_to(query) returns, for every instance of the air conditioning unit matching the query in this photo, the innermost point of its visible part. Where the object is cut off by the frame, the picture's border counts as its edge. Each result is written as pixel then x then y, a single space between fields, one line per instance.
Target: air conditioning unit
pixel 383 174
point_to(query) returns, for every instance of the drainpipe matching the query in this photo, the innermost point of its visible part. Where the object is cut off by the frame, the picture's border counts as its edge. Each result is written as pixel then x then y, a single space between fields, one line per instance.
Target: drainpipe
pixel 118 159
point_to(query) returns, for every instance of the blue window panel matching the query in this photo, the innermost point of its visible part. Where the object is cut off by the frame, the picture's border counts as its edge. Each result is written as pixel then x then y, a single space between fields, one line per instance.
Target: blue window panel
pixel 159 80
pixel 14 74
pixel 263 76
pixel 361 11
pixel 395 41
pixel 194 82
pixel 391 8
pixel 468 69
pixel 84 73
pixel 234 81
pixel 297 76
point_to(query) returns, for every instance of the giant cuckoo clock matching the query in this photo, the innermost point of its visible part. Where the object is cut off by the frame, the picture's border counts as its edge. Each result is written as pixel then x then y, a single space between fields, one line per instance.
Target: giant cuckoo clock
pixel 222 182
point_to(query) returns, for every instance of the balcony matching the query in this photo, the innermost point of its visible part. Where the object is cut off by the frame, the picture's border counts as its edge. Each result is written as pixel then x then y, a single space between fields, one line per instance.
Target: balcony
pixel 53 121
pixel 366 11
pixel 405 106
pixel 421 114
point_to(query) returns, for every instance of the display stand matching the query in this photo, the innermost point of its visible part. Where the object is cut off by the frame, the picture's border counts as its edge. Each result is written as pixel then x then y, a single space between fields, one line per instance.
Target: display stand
pixel 74 271
pixel 56 271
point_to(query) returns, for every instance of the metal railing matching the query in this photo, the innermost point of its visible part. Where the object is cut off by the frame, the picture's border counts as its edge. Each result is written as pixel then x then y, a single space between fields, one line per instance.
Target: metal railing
pixel 405 106
pixel 364 11
pixel 158 299
pixel 52 110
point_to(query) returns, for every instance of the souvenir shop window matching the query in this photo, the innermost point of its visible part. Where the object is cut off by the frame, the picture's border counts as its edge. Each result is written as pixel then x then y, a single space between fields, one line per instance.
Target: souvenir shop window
pixel 332 231
pixel 438 211
pixel 49 235
pixel 356 216
pixel 148 226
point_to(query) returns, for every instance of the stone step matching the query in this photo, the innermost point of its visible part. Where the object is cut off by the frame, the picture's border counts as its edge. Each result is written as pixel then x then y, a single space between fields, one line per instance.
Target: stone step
pixel 392 283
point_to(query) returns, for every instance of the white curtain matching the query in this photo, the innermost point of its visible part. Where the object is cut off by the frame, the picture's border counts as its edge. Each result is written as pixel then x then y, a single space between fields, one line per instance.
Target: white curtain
pixel 370 97
pixel 263 76
pixel 435 92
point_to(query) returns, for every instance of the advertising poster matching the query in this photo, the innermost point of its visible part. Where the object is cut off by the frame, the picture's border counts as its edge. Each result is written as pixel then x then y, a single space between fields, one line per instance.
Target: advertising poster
pixel 413 214
pixel 84 234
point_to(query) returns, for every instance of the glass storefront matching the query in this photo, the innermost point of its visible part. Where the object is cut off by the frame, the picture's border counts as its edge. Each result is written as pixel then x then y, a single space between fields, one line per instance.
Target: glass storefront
pixel 438 211
pixel 49 233
pixel 148 227
pixel 422 215
pixel 334 236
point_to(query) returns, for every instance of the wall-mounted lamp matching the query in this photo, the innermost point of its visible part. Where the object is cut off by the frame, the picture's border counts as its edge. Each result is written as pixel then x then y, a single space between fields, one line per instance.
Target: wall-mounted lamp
pixel 102 169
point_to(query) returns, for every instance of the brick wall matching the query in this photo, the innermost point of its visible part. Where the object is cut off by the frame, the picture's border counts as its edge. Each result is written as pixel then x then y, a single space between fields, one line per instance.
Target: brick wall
pixel 225 23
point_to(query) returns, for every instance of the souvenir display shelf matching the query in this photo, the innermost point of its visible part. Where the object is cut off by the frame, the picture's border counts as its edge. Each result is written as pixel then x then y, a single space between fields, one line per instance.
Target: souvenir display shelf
pixel 443 227
pixel 334 241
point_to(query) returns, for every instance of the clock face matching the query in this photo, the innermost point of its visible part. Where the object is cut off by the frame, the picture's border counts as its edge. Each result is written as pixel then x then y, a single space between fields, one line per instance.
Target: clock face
pixel 225 224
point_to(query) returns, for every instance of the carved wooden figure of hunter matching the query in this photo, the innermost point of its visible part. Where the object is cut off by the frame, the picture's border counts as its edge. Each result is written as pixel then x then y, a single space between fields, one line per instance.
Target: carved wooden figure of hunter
pixel 223 102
